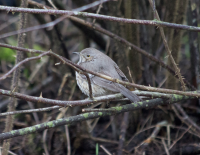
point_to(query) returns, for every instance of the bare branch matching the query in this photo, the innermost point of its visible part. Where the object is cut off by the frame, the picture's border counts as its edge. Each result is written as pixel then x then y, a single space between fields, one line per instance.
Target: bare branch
pixel 100 17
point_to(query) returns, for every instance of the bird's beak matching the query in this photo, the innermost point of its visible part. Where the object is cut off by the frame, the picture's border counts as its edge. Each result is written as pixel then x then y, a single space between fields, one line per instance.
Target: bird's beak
pixel 76 53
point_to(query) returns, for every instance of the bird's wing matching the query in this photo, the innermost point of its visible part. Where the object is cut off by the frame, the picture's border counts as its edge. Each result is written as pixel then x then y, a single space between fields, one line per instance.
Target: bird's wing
pixel 121 74
pixel 115 87
pixel 104 83
pixel 101 82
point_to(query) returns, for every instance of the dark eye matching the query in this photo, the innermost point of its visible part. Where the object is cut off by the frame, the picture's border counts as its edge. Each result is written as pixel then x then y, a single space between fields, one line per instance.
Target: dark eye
pixel 88 56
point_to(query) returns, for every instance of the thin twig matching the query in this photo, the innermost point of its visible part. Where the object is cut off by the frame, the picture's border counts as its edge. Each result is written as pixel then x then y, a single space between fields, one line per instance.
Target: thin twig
pixel 179 137
pixel 98 110
pixel 99 139
pixel 165 146
pixel 122 135
pixel 32 51
pixel 98 10
pixel 154 9
pixel 64 80
pixel 35 115
pixel 52 4
pixel 105 150
pixel 68 140
pixel 29 111
pixel 12 153
pixel 147 141
pixel 38 4
pixel 22 62
pixel 44 142
pixel 185 118
pixel 9 22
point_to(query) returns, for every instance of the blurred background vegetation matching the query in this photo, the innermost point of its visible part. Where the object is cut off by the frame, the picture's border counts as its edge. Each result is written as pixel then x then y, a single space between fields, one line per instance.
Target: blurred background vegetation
pixel 69 36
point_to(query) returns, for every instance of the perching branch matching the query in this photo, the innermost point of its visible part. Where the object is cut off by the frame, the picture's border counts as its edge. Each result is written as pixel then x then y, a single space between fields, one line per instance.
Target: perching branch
pixel 89 101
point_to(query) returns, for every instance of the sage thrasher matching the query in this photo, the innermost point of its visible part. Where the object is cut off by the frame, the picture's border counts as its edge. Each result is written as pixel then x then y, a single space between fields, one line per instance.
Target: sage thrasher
pixel 97 61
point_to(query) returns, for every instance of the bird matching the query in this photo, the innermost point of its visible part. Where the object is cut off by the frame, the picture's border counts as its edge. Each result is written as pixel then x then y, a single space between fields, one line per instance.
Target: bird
pixel 96 61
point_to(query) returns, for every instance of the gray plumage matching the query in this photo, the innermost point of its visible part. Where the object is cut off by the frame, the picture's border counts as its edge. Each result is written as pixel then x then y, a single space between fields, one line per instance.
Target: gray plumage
pixel 97 61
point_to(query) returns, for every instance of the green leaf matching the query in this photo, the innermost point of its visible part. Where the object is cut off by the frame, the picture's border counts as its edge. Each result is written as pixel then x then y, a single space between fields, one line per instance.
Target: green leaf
pixel 7 54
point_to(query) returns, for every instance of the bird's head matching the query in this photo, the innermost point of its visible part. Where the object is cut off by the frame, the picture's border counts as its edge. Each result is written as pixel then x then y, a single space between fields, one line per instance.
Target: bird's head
pixel 87 55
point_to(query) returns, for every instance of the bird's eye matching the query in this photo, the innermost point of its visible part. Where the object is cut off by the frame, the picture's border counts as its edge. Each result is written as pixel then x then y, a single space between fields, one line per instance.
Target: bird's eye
pixel 88 56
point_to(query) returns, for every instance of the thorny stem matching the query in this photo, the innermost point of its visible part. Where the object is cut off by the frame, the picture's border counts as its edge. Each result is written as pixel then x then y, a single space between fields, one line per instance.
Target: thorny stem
pixel 187 120
pixel 89 101
pixel 16 77
pixel 177 70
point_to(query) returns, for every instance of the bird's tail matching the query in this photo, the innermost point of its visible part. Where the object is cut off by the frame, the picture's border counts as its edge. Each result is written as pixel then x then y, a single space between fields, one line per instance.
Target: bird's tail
pixel 130 95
